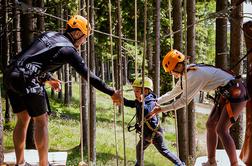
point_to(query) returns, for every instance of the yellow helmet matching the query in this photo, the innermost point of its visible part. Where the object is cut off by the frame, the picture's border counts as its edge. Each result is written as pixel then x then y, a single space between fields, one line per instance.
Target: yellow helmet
pixel 147 83
pixel 79 22
pixel 171 59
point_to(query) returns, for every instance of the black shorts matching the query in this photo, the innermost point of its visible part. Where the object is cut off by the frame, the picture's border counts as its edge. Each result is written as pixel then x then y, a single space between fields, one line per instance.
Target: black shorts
pixel 25 94
pixel 34 104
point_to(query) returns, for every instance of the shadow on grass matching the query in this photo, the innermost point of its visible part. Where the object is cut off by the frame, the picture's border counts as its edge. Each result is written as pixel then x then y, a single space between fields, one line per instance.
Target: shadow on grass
pixel 102 158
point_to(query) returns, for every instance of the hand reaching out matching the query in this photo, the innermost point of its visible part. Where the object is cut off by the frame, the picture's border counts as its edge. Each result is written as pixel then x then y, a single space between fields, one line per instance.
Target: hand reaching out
pixel 117 97
pixel 55 84
pixel 155 111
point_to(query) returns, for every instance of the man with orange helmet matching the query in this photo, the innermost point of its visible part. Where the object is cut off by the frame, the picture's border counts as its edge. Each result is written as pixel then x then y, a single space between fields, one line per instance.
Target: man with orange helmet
pixel 230 101
pixel 29 70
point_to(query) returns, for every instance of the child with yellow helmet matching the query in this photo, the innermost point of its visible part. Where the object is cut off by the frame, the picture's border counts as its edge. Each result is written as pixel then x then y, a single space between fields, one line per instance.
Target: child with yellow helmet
pixel 230 101
pixel 153 133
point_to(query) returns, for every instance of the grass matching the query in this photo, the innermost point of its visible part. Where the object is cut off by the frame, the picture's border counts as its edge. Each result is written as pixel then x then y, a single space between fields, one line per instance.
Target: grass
pixel 64 132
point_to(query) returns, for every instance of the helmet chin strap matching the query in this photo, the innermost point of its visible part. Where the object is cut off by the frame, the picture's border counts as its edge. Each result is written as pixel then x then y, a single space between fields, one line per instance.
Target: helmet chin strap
pixel 75 40
pixel 181 77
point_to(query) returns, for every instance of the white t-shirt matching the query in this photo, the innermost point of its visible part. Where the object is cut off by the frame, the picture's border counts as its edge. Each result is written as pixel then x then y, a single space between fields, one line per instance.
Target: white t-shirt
pixel 204 78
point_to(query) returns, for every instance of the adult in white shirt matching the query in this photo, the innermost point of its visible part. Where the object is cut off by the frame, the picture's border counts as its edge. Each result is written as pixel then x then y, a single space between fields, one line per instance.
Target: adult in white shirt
pixel 231 101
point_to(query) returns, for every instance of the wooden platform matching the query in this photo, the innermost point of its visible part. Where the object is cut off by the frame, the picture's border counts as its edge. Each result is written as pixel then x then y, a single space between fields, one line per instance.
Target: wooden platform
pixel 31 156
pixel 221 157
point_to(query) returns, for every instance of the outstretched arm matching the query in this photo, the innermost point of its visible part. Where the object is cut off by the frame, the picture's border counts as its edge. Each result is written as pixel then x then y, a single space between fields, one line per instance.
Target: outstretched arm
pixel 171 94
pixel 129 103
pixel 77 62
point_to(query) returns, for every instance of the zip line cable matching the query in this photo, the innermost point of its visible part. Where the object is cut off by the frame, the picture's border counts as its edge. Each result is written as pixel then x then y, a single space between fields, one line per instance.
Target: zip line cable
pixel 213 15
pixel 24 7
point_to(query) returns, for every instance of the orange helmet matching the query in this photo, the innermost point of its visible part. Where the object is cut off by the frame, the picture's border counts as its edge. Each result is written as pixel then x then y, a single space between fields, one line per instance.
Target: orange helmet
pixel 79 22
pixel 171 59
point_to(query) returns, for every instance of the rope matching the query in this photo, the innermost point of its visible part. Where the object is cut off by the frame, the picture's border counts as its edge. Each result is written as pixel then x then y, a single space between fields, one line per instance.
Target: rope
pixel 220 13
pixel 27 9
pixel 136 72
pixel 173 79
pixel 136 67
pixel 143 67
pixel 120 76
pixel 88 86
pixel 113 78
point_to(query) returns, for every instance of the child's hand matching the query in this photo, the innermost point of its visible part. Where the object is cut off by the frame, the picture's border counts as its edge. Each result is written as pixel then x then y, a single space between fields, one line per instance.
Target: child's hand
pixel 55 84
pixel 155 111
pixel 117 98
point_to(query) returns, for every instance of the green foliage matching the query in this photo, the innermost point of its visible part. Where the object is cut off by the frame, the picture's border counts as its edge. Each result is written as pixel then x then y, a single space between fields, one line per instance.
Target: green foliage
pixel 205 33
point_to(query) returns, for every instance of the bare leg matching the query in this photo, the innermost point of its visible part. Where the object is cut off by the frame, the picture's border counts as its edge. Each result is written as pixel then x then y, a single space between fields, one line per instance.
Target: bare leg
pixel 223 131
pixel 212 137
pixel 19 135
pixel 41 138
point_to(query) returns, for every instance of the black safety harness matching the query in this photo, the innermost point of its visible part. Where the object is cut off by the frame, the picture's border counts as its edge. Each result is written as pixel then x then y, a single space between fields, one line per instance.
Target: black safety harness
pixel 137 126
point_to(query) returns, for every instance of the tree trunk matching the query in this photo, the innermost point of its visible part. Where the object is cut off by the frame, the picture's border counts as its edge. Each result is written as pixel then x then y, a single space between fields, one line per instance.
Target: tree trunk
pixel 40 17
pixel 181 114
pixel 60 71
pixel 1 133
pixel 70 79
pixel 6 50
pixel 16 29
pixel 66 71
pixel 103 69
pixel 84 104
pixel 191 51
pixel 60 95
pixel 236 130
pixel 246 152
pixel 26 27
pixel 92 118
pixel 156 77
pixel 66 80
pixel 221 42
pixel 125 60
pixel 221 36
pixel 150 40
pixel 4 37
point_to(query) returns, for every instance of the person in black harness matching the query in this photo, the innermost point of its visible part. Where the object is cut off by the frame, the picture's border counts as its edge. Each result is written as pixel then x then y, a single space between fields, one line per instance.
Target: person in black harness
pixel 153 133
pixel 30 69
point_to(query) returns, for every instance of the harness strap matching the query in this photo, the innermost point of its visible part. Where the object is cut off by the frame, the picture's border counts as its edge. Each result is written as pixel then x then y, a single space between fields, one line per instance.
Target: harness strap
pixel 151 128
pixel 230 112
pixel 154 131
